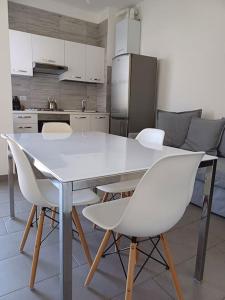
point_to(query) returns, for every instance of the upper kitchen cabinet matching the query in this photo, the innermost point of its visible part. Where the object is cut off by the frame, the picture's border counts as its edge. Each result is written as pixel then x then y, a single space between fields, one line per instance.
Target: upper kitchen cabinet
pixel 20 53
pixel 95 57
pixel 48 50
pixel 75 60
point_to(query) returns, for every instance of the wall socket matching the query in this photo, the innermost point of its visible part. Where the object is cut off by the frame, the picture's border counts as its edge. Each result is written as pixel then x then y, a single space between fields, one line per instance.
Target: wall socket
pixel 23 98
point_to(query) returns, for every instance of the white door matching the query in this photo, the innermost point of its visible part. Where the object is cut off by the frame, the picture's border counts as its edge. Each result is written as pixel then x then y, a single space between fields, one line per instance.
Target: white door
pixel 95 61
pixel 100 123
pixel 20 53
pixel 48 50
pixel 80 123
pixel 75 59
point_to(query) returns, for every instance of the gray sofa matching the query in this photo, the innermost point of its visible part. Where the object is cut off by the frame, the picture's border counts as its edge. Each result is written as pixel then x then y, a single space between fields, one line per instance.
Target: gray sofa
pixel 198 135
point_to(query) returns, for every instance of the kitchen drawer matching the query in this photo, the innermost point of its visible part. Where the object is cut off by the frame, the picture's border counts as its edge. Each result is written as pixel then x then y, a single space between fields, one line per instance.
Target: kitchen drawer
pixel 80 123
pixel 25 118
pixel 25 128
pixel 100 123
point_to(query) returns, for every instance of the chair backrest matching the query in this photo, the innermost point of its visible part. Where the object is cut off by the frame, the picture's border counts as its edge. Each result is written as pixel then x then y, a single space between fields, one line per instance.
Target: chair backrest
pixel 27 181
pixel 56 127
pixel 151 136
pixel 161 197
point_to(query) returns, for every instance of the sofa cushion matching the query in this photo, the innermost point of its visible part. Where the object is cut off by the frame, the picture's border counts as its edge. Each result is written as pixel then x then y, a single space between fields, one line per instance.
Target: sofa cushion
pixel 221 149
pixel 175 125
pixel 204 135
pixel 220 173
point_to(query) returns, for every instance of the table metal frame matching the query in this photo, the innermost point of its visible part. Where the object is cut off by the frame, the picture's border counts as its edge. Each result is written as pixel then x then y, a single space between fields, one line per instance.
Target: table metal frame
pixel 65 227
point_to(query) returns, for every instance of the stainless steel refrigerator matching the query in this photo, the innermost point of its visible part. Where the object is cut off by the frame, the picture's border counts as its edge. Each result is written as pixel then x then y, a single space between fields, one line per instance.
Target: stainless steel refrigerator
pixel 133 94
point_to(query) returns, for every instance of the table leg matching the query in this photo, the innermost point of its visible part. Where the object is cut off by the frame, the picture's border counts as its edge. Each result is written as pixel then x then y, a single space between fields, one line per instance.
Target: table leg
pixel 65 235
pixel 11 184
pixel 205 220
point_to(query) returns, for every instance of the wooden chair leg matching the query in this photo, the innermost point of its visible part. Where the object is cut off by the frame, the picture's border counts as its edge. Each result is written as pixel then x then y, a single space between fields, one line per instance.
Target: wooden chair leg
pixel 98 256
pixel 123 195
pixel 82 238
pixel 104 199
pixel 130 272
pixel 118 237
pixel 53 216
pixel 37 248
pixel 172 267
pixel 27 228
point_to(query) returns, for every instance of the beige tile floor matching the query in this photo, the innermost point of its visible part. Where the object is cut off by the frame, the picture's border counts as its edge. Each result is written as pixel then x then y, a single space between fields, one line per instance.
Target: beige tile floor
pixel 108 283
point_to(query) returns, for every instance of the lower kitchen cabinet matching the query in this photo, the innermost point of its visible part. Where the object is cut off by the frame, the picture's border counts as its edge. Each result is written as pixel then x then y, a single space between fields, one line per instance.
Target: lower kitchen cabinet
pixel 99 123
pixel 25 128
pixel 80 123
pixel 84 122
pixel 25 123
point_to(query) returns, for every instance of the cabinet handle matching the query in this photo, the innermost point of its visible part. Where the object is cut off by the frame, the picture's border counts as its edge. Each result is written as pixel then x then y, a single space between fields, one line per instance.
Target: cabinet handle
pixel 79 77
pixel 97 79
pixel 100 117
pixel 80 117
pixel 51 61
pixel 22 71
pixel 24 127
pixel 24 117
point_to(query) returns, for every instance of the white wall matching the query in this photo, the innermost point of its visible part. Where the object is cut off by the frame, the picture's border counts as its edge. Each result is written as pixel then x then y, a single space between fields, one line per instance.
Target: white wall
pixel 5 84
pixel 188 36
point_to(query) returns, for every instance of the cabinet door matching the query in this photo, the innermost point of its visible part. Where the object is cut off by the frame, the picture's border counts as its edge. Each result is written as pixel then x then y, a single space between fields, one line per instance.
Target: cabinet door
pixel 80 123
pixel 75 59
pixel 25 128
pixel 48 50
pixel 25 118
pixel 20 53
pixel 95 58
pixel 100 123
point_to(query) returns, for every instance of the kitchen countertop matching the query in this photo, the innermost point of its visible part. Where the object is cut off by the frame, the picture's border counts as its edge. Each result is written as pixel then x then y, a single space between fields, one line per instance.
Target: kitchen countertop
pixel 67 112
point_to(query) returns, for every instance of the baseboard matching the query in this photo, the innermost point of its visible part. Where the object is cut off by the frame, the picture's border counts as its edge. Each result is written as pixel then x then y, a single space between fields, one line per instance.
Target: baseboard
pixel 3 178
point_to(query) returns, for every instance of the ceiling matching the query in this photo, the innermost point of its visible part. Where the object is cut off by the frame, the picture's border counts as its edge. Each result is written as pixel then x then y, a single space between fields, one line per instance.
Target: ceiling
pixel 99 5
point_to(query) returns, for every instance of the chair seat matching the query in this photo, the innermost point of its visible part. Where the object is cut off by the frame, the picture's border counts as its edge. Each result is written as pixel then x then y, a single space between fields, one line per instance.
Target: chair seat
pixel 51 194
pixel 106 215
pixel 119 187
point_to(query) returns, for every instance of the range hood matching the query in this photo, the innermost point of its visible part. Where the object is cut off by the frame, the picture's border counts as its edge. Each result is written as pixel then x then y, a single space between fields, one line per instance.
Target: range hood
pixel 48 68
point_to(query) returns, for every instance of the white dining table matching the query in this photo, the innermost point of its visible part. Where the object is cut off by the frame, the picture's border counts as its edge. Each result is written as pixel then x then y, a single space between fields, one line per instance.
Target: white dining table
pixel 85 160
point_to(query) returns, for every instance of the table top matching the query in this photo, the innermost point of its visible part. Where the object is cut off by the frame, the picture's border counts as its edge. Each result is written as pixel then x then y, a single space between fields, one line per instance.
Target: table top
pixel 89 155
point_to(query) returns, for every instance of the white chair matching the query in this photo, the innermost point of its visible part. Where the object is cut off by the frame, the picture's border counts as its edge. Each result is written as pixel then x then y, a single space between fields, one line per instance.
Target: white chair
pixel 43 194
pixel 148 137
pixel 56 127
pixel 157 204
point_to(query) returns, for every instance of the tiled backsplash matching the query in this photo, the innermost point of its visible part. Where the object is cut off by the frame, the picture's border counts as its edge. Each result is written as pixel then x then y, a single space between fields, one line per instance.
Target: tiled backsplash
pixel 37 89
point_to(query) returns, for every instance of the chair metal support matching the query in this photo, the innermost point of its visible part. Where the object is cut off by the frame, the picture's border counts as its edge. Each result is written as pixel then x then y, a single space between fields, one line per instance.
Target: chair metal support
pixel 148 255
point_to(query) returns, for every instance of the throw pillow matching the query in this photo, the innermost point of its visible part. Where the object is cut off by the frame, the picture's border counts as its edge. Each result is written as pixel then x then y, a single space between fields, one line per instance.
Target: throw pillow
pixel 175 125
pixel 204 135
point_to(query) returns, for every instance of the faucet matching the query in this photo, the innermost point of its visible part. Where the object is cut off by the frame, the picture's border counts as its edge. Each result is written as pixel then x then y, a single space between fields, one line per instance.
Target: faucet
pixel 83 104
